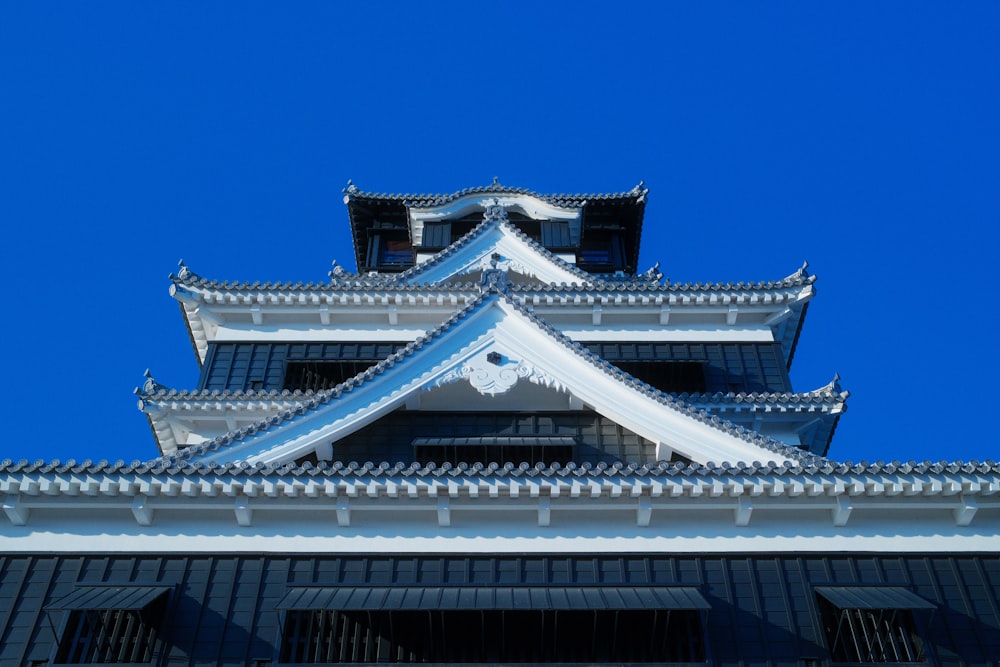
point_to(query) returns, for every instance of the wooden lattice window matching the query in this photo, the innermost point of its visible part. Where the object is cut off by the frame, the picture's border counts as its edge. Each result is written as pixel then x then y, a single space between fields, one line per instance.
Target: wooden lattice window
pixel 871 631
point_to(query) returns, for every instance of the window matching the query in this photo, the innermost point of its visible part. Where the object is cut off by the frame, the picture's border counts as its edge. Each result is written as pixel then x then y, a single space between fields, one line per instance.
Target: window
pixel 437 235
pixel 556 235
pixel 602 251
pixel 320 375
pixel 389 249
pixel 485 624
pixel 669 376
pixel 113 625
pixel 498 449
pixel 871 624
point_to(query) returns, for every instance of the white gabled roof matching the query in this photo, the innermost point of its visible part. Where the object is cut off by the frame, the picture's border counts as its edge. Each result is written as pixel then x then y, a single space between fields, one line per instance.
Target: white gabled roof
pixel 495 243
pixel 493 344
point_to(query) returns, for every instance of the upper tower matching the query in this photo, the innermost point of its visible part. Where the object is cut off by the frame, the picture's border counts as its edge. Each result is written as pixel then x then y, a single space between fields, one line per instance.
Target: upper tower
pixel 598 233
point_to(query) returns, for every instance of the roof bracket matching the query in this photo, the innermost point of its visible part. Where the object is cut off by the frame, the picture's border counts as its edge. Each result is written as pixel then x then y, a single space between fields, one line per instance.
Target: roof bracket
pixel 15 510
pixel 966 510
pixel 842 512
pixel 142 512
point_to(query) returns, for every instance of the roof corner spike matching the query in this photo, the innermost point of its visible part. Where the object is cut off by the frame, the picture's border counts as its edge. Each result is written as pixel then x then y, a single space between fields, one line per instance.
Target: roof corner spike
pixel 351 187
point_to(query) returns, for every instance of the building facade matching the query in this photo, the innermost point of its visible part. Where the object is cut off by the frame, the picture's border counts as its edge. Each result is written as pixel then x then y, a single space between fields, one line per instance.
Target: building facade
pixel 499 441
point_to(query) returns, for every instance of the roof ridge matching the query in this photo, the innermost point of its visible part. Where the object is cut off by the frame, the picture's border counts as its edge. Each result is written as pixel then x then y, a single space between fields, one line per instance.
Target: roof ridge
pixel 812 396
pixel 426 200
pixel 371 468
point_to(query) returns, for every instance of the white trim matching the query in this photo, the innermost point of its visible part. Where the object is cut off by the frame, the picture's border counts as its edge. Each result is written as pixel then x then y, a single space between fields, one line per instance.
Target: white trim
pixel 243 529
pixel 628 333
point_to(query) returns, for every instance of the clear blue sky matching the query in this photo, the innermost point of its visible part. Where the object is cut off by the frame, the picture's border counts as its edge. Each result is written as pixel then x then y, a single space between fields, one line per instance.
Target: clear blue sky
pixel 863 137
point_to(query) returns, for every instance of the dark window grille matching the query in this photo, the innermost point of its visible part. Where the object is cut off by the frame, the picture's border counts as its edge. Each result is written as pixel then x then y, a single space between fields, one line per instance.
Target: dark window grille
pixel 532 450
pixel 602 252
pixel 870 635
pixel 477 636
pixel 389 251
pixel 109 636
pixel 319 375
pixel 668 376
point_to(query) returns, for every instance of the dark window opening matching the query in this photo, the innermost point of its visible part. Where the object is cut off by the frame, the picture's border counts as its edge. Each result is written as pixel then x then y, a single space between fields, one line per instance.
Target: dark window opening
pixel 95 636
pixel 602 252
pixel 485 450
pixel 674 377
pixel 531 228
pixel 870 635
pixel 319 375
pixel 389 251
pixel 476 636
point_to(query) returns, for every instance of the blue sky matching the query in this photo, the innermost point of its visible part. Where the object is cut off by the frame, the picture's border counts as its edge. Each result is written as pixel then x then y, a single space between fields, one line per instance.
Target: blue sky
pixel 862 137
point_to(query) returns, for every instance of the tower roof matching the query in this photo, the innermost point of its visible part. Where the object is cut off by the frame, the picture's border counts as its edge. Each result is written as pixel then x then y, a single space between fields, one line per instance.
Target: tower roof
pixel 494 344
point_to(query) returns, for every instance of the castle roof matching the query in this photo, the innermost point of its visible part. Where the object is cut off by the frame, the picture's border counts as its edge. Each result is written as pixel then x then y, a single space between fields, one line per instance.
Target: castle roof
pixel 495 323
pixel 780 304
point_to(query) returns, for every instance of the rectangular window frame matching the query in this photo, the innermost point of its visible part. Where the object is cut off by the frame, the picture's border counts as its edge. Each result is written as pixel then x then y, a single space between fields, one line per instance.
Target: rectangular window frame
pixel 109 625
pixel 865 625
pixel 485 624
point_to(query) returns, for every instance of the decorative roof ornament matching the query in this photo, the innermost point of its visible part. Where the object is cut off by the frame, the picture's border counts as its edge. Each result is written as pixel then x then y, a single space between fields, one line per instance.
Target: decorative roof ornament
pixel 184 273
pixel 150 386
pixel 495 211
pixel 651 275
pixel 494 377
pixel 337 272
pixel 351 187
pixel 494 280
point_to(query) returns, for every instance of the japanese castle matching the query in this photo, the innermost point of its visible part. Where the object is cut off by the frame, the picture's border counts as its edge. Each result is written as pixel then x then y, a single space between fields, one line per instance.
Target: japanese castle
pixel 500 441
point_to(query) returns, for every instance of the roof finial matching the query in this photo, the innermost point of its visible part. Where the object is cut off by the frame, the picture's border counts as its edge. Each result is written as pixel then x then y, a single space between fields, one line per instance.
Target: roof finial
pixel 496 181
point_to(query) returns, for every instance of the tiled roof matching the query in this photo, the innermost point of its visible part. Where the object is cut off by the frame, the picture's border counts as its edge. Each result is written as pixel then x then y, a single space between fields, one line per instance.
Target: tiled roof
pixel 636 194
pixel 829 394
pixel 167 466
pixel 324 397
pixel 341 280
